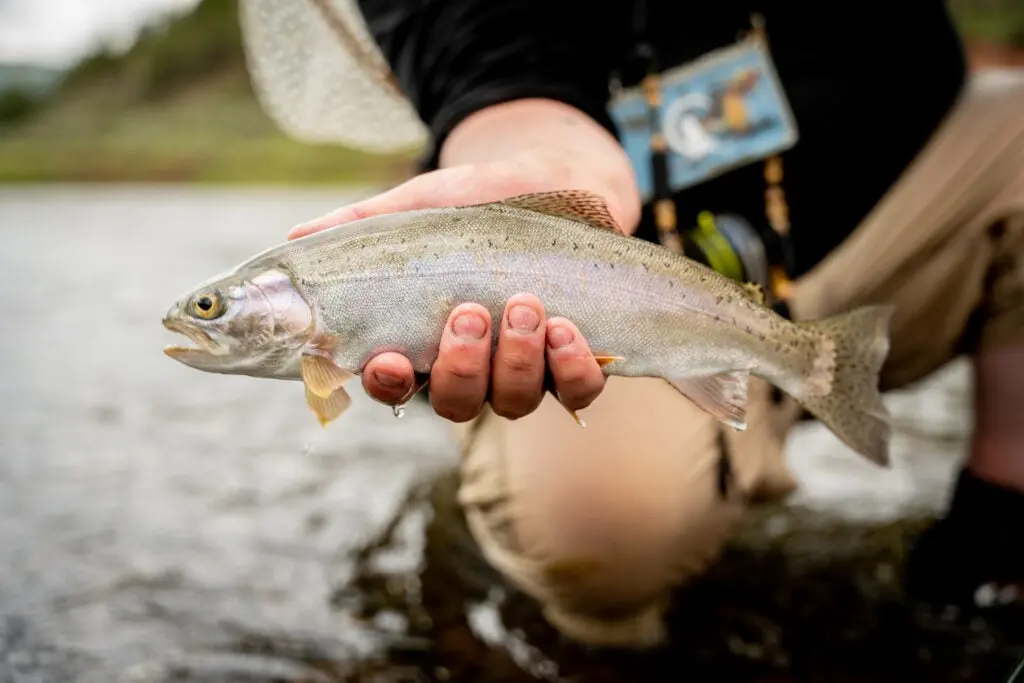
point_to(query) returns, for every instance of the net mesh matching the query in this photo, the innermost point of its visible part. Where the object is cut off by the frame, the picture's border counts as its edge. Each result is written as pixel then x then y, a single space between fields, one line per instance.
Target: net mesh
pixel 321 78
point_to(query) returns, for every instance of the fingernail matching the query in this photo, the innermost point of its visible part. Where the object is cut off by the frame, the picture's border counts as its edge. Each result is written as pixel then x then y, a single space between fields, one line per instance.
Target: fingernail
pixel 388 380
pixel 523 318
pixel 559 337
pixel 469 326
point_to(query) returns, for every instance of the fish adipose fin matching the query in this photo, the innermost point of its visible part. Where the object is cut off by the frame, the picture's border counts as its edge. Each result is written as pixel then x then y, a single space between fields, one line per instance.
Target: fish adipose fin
pixel 576 205
pixel 324 382
pixel 853 409
pixel 724 395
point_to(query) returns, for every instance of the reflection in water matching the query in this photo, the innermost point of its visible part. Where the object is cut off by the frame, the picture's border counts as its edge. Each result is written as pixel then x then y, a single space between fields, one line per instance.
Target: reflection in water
pixel 818 601
pixel 159 525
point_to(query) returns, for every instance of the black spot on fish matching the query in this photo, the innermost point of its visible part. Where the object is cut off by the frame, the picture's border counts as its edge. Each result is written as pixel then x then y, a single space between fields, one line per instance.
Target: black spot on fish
pixel 456 219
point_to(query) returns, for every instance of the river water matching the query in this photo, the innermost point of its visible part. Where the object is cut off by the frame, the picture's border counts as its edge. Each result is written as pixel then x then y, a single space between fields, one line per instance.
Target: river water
pixel 160 524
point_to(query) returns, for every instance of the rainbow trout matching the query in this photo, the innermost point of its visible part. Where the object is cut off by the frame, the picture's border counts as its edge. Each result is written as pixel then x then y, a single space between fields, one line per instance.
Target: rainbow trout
pixel 317 309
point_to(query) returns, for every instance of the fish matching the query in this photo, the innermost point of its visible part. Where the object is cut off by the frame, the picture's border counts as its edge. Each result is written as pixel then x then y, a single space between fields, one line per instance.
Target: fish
pixel 318 308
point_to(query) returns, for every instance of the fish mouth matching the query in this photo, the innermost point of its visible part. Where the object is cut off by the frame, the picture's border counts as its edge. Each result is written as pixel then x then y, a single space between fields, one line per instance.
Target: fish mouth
pixel 202 344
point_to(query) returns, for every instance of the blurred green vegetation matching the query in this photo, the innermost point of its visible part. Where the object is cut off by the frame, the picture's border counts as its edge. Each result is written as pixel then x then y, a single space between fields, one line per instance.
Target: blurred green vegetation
pixel 997 22
pixel 179 107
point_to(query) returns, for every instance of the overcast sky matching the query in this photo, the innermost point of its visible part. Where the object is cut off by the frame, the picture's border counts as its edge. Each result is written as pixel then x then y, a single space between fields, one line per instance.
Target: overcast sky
pixel 56 32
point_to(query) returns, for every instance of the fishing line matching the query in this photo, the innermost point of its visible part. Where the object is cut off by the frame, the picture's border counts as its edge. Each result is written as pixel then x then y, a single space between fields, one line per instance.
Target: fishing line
pixel 1016 675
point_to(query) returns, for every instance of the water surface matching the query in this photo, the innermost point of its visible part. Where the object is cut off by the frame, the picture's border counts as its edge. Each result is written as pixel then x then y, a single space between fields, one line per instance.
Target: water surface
pixel 160 524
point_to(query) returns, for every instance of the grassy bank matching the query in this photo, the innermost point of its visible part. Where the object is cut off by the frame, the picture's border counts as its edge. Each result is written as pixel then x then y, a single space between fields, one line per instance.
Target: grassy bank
pixel 177 107
pixel 211 132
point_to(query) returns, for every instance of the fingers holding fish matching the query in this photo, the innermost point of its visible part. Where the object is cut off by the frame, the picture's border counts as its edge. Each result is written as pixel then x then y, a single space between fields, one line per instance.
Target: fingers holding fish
pixel 388 377
pixel 576 372
pixel 517 374
pixel 460 375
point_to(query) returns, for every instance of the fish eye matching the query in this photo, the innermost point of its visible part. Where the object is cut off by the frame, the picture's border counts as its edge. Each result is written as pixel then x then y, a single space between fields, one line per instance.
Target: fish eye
pixel 207 306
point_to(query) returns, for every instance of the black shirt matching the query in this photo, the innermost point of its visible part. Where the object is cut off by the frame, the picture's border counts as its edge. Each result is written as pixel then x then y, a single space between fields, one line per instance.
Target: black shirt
pixel 868 83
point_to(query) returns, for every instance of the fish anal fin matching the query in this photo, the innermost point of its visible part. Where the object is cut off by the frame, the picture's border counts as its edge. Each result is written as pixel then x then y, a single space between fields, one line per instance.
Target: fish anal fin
pixel 577 205
pixel 724 396
pixel 328 408
pixel 604 360
pixel 321 374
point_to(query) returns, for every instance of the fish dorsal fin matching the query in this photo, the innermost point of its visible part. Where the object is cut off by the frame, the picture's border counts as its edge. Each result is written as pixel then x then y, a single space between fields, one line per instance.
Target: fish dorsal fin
pixel 755 292
pixel 577 205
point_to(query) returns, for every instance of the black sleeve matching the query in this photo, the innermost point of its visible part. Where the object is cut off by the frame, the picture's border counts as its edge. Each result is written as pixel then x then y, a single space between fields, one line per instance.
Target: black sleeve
pixel 455 57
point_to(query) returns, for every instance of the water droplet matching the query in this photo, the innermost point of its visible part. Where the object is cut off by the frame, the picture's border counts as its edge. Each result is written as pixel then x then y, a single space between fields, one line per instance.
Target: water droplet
pixel 398 411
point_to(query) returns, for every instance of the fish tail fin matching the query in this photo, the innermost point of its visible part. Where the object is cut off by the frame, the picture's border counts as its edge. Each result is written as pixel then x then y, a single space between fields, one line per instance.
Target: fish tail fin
pixel 853 409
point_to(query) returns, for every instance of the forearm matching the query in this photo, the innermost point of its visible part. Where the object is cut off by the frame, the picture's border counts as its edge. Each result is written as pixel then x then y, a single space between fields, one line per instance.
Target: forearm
pixel 570 146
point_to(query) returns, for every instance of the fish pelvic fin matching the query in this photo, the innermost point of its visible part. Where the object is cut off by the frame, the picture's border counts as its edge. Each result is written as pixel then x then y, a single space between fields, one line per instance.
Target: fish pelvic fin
pixel 329 408
pixel 324 381
pixel 724 396
pixel 852 408
pixel 576 205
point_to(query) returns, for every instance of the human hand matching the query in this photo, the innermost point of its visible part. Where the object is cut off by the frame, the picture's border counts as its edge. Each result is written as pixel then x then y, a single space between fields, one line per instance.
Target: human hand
pixel 466 374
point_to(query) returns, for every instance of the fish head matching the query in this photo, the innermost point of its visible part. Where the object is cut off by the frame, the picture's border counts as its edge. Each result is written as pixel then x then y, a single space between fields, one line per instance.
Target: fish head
pixel 247 324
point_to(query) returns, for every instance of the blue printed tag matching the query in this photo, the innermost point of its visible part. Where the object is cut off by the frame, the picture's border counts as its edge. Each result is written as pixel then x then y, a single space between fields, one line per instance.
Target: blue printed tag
pixel 719 112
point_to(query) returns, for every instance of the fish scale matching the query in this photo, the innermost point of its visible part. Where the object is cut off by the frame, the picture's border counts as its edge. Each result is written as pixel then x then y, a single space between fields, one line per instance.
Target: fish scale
pixel 388 283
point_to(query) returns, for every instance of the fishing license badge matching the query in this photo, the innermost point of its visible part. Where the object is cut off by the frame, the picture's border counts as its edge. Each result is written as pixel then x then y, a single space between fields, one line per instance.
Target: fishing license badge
pixel 721 111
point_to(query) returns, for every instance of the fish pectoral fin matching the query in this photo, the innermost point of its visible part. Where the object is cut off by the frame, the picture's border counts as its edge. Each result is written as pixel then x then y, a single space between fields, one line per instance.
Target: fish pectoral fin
pixel 330 407
pixel 322 375
pixel 604 360
pixel 724 396
pixel 577 205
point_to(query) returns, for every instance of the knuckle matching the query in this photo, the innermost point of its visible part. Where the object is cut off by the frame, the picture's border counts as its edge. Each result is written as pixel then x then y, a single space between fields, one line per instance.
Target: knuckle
pixel 520 364
pixel 464 366
pixel 570 375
